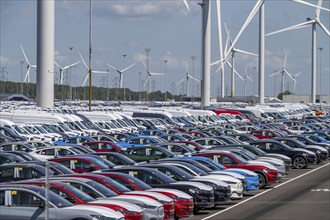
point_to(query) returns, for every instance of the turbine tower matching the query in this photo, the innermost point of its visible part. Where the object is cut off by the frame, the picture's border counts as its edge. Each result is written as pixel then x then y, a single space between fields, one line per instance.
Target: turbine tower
pixel 186 78
pixel 64 68
pixel 313 22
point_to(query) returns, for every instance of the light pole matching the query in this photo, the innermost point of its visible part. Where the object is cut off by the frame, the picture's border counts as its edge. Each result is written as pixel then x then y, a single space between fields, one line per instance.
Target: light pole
pixel 147 50
pixel 254 80
pixel 70 77
pixel 193 83
pixel 121 79
pixel 21 87
pixel 165 61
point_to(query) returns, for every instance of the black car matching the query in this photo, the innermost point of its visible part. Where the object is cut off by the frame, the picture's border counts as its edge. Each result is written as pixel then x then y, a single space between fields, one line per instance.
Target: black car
pixel 308 141
pixel 9 158
pixel 117 158
pixel 301 158
pixel 221 189
pixel 21 171
pixel 57 168
pixel 321 152
pixel 203 195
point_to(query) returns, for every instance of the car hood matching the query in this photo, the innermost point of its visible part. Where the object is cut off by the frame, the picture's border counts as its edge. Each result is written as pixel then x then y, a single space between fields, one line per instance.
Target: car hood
pixel 195 184
pixel 227 172
pixel 98 209
pixel 174 191
pixel 136 200
pixel 157 195
pixel 248 172
pixel 262 163
pixel 126 205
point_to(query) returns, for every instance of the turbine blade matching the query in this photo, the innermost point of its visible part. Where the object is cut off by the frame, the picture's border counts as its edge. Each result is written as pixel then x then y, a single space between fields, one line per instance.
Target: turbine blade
pixel 309 4
pixel 123 70
pixel 83 61
pixel 96 71
pixel 27 74
pixel 66 67
pixel 57 64
pixel 157 74
pixel 180 81
pixel 289 74
pixel 194 78
pixel 297 74
pixel 114 68
pixel 324 28
pixel 246 23
pixel 276 73
pixel 246 52
pixel 86 78
pixel 218 7
pixel 286 55
pixel 318 10
pixel 186 4
pixel 25 57
pixel 297 26
pixel 249 78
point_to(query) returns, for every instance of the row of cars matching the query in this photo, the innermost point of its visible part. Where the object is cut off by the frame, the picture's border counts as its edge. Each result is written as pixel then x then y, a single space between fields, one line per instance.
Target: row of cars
pixel 150 174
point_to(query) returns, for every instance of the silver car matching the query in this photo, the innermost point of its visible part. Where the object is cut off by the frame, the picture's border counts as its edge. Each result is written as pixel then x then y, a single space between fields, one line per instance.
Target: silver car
pixel 25 202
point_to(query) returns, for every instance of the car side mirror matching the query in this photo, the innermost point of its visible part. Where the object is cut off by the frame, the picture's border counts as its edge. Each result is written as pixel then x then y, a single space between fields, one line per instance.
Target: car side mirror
pixel 42 205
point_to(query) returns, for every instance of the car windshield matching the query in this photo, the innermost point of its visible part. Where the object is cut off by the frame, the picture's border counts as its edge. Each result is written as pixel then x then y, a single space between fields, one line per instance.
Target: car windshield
pixel 57 200
pixel 241 159
pixel 102 189
pixel 80 194
pixel 115 184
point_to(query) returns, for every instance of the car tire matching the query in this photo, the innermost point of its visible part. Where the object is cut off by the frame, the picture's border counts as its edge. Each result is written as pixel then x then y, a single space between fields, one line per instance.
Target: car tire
pixel 299 162
pixel 262 180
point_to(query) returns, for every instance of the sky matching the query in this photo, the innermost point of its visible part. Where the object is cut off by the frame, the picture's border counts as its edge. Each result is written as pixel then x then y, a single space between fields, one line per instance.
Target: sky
pixel 172 33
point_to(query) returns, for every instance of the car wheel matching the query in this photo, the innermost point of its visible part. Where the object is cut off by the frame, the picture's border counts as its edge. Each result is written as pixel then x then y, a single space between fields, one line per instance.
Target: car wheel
pixel 299 162
pixel 262 180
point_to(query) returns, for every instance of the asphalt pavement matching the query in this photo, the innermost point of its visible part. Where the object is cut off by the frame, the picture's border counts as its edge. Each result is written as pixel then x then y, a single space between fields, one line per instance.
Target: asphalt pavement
pixel 302 194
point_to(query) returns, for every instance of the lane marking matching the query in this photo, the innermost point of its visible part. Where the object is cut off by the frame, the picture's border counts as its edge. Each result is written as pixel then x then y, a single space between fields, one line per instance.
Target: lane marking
pixel 217 213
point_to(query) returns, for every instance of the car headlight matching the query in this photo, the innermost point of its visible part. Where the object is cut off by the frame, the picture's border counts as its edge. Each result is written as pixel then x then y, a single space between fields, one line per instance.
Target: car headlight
pixel 160 211
pixel 193 190
pixel 102 217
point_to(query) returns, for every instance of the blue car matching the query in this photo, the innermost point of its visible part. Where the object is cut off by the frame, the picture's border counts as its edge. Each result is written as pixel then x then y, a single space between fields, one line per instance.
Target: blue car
pixel 74 140
pixel 252 179
pixel 136 141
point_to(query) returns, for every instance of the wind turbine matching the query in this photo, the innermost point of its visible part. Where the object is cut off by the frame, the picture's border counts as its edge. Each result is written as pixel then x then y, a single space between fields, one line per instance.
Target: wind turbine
pixel 283 71
pixel 259 6
pixel 121 72
pixel 232 52
pixel 93 71
pixel 149 75
pixel 29 66
pixel 295 81
pixel 313 23
pixel 245 78
pixel 187 77
pixel 64 68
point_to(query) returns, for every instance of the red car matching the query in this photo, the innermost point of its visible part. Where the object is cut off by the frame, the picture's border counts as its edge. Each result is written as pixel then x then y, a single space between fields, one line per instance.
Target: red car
pixel 183 203
pixel 265 134
pixel 193 145
pixel 228 159
pixel 120 189
pixel 103 146
pixel 77 197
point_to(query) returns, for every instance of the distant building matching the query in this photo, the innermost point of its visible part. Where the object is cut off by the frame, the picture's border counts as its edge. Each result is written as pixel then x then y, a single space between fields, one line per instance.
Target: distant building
pixel 305 99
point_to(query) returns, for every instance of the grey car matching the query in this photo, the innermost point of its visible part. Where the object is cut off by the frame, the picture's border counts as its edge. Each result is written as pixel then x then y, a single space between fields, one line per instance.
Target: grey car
pixel 26 202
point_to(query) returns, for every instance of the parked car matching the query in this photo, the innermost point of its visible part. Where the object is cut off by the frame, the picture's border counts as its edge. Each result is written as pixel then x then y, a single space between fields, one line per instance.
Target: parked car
pixel 9 158
pixel 147 153
pixel 81 164
pixel 21 171
pixel 116 158
pixel 267 176
pixel 78 197
pixel 203 195
pixel 27 202
pixel 103 146
pixel 301 158
pixel 183 202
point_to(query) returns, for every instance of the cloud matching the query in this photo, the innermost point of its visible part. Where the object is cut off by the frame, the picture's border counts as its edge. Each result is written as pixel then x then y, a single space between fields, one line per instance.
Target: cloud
pixel 139 9
pixel 4 61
